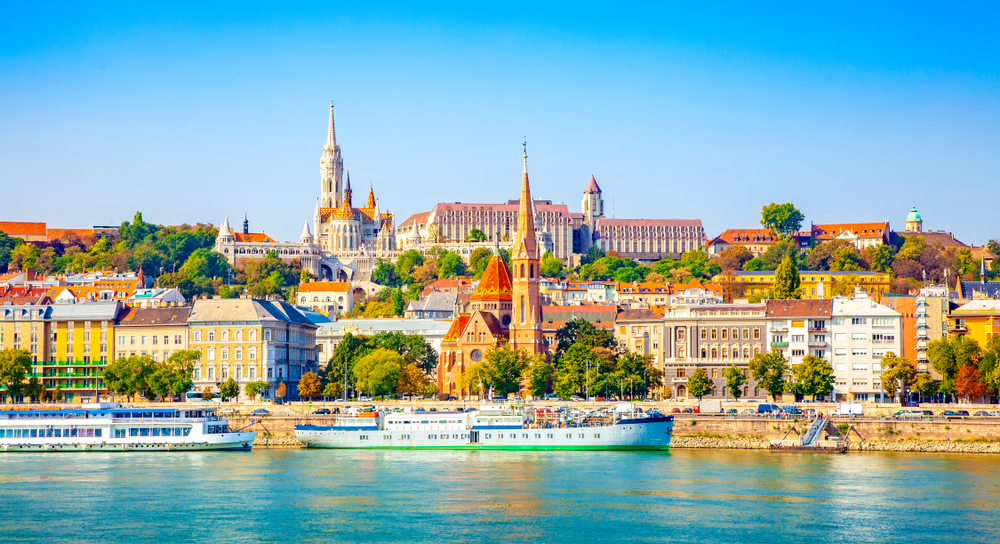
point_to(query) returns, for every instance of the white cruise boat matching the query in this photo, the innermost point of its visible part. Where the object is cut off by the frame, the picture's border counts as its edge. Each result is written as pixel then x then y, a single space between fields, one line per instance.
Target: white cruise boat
pixel 492 427
pixel 113 427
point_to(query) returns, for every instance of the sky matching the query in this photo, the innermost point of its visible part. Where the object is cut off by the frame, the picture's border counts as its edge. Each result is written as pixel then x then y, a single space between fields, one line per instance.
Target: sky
pixel 192 112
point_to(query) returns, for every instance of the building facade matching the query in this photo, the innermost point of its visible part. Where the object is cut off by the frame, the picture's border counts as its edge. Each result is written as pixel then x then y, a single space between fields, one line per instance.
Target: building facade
pixel 863 332
pixel 251 340
pixel 799 328
pixel 713 337
pixel 819 284
pixel 157 332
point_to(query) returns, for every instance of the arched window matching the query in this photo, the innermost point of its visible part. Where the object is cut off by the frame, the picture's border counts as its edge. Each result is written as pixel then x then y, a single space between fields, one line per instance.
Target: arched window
pixel 197 336
pixel 704 353
pixel 239 335
pixel 225 336
pixel 531 271
pixel 211 354
pixel 253 335
pixel 522 271
pixel 211 336
pixel 522 301
pixel 715 353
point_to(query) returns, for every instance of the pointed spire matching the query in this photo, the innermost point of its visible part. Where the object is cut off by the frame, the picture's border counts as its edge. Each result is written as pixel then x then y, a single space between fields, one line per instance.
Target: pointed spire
pixel 317 212
pixel 331 136
pixel 347 189
pixel 224 230
pixel 306 236
pixel 525 237
pixel 371 197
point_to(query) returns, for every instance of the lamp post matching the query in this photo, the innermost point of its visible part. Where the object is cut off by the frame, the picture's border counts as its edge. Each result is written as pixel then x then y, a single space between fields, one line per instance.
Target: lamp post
pixel 588 380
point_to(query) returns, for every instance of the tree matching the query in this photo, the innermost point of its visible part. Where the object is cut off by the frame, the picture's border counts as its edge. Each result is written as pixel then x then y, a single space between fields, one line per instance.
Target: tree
pixel 7 244
pixel 734 257
pixel 57 394
pixel 450 265
pixel 378 372
pixel 310 386
pixel 880 258
pixel 476 235
pixel 969 383
pixel 281 391
pixel 331 390
pixel 924 384
pixel 813 376
pixel 783 219
pixel 255 389
pixel 539 374
pixel 15 364
pixel 128 376
pixel 582 331
pixel 35 389
pixel 551 266
pixel 699 384
pixel 786 281
pixel 406 263
pixel 478 261
pixel 207 393
pixel 769 370
pixel 472 378
pixel 736 378
pixel 949 354
pixel 504 368
pixel 412 380
pixel 384 273
pixel 897 374
pixel 229 389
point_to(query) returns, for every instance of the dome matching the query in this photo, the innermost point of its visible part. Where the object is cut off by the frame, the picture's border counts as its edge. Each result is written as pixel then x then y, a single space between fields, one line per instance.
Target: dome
pixel 913 216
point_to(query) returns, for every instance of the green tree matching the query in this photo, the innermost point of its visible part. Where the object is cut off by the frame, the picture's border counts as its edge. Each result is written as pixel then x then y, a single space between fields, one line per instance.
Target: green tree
pixel 769 371
pixel 331 390
pixel 699 384
pixel 396 304
pixel 551 266
pixel 912 249
pixel 309 386
pixel 924 384
pixel 472 379
pixel 24 256
pixel 129 376
pixel 450 265
pixel 503 369
pixel 539 374
pixel 406 263
pixel 57 394
pixel 7 244
pixel 207 393
pixel 949 354
pixel 626 275
pixel 254 389
pixel 35 389
pixel 783 219
pixel 880 257
pixel 579 330
pixel 378 372
pixel 897 374
pixel 478 261
pixel 734 257
pixel 570 375
pixel 229 389
pixel 813 376
pixel 476 235
pixel 786 281
pixel 736 378
pixel 384 273
pixel 15 364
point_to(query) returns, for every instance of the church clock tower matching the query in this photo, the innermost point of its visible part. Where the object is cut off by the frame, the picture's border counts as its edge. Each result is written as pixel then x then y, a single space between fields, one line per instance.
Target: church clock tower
pixel 526 325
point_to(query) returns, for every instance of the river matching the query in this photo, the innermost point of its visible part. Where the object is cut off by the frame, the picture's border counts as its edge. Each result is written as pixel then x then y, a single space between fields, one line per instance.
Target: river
pixel 470 496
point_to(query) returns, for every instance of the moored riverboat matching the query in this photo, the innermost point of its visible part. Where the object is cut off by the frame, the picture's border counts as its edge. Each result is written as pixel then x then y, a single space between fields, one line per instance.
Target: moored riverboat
pixel 492 427
pixel 113 427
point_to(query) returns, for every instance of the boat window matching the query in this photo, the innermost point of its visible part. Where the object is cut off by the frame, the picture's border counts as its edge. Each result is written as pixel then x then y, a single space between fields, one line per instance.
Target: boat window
pixel 133 431
pixel 144 431
pixel 156 431
pixel 597 435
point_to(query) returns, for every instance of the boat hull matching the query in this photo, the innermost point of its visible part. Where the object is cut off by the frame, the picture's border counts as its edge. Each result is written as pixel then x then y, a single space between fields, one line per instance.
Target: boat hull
pixel 239 441
pixel 640 436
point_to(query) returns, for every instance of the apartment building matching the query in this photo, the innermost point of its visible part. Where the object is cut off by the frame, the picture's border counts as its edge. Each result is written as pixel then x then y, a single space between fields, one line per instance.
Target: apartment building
pixel 863 332
pixel 157 332
pixel 797 328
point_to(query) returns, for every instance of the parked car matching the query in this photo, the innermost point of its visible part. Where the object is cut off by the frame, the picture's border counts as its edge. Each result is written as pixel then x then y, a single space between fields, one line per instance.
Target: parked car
pixel 452 397
pixel 791 410
pixel 767 408
pixel 259 412
pixel 994 413
pixel 675 411
pixel 963 413
pixel 732 411
pixel 982 413
pixel 576 398
pixel 419 410
pixel 364 399
pixel 227 411
pixel 950 413
pixel 322 411
pixel 688 411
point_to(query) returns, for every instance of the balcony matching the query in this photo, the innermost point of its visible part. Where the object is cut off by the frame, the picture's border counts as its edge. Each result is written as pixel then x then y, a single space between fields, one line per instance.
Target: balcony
pixel 678 380
pixel 817 344
pixel 779 344
pixel 817 329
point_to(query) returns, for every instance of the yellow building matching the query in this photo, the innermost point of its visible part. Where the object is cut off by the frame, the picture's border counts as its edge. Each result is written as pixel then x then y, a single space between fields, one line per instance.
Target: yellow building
pixel 68 343
pixel 814 284
pixel 251 340
pixel 157 332
pixel 979 320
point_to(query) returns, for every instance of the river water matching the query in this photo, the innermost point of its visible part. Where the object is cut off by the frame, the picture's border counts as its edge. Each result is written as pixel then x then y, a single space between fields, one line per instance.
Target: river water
pixel 469 496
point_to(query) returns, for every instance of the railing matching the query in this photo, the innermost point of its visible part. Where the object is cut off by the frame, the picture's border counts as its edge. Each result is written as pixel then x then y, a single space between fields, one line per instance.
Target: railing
pixel 779 344
pixel 817 344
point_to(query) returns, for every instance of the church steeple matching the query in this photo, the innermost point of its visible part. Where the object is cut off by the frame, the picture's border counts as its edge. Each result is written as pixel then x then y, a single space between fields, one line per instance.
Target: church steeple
pixel 526 326
pixel 371 198
pixel 331 168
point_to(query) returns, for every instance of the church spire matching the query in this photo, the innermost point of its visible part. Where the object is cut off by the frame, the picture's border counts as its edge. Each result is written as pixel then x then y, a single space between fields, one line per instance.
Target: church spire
pixel 371 197
pixel 347 189
pixel 331 136
pixel 524 239
pixel 525 327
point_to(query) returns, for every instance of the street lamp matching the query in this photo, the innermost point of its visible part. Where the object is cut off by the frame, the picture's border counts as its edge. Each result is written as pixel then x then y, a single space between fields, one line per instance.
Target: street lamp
pixel 588 380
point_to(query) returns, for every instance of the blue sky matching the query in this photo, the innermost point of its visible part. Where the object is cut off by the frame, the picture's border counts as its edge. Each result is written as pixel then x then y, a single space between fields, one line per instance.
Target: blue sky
pixel 194 112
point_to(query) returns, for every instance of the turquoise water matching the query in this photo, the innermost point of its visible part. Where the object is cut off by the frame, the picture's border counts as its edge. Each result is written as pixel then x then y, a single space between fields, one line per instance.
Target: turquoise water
pixel 470 496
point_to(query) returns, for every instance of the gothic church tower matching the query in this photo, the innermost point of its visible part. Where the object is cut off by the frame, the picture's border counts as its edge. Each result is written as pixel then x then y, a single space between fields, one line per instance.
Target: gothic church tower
pixel 331 169
pixel 526 325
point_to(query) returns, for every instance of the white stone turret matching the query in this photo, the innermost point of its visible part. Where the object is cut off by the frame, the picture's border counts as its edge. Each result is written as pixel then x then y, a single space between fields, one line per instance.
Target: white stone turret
pixel 306 237
pixel 225 232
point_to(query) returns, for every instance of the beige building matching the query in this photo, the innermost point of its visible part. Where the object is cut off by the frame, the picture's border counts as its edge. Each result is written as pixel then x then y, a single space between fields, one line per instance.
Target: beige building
pixel 157 332
pixel 712 337
pixel 251 340
pixel 329 297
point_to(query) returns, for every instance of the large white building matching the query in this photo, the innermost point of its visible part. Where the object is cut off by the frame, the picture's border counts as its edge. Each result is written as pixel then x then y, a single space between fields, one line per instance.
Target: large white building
pixel 863 332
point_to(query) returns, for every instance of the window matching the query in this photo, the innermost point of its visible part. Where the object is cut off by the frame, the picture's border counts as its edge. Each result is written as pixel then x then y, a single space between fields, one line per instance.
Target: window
pixel 756 334
pixel 798 352
pixel 840 337
pixel 746 334
pixel 211 336
pixel 253 335
pixel 798 338
pixel 131 340
pixel 197 336
pixel 840 351
pixel 714 334
pixel 680 334
pixel 859 366
pixel 225 336
pixel 239 354
pixel 704 334
pixel 681 373
pixel 715 372
pixel 225 354
pixel 859 321
pixel 725 334
pixel 239 336
pixel 143 341
pixel 155 339
pixel 859 336
pixel 121 340
pixel 253 353
pixel 211 354
pixel 859 351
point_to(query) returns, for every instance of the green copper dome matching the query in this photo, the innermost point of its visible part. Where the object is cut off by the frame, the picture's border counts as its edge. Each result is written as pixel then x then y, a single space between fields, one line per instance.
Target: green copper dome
pixel 914 216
